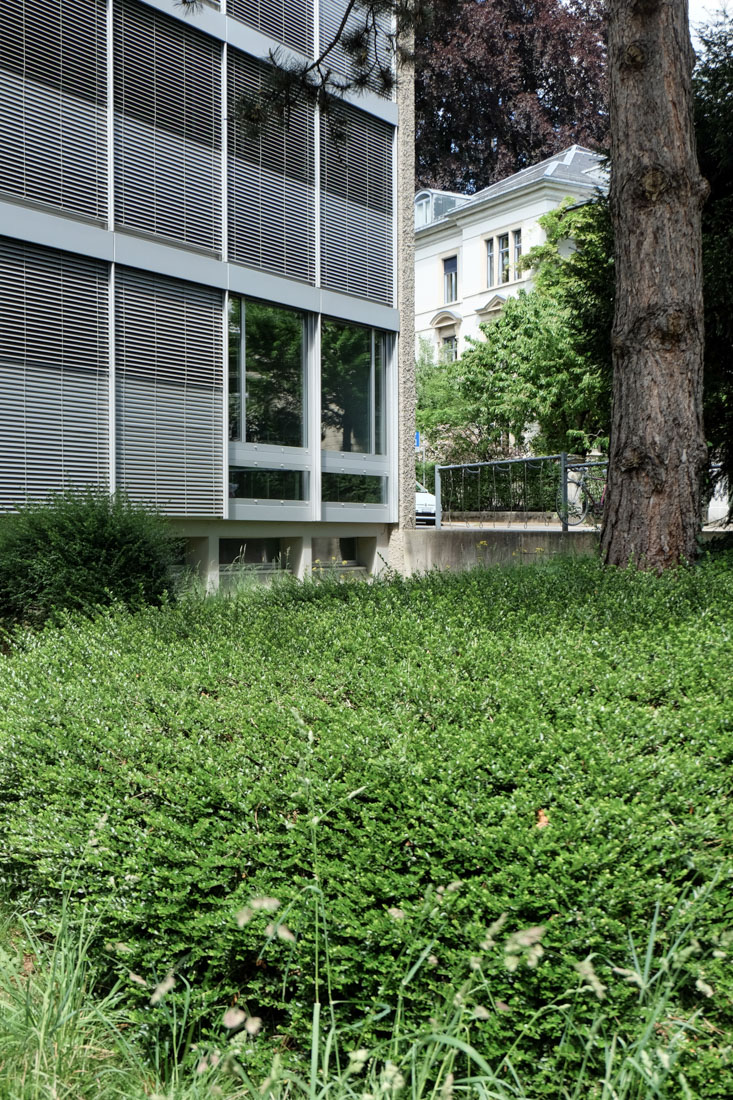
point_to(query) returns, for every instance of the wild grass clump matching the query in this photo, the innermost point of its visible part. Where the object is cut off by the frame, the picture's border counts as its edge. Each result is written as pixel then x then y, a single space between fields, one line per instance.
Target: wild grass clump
pixel 79 550
pixel 59 1038
pixel 553 744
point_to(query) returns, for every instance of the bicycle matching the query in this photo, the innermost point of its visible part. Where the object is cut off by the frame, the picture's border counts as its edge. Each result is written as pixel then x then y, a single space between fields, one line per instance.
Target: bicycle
pixel 586 494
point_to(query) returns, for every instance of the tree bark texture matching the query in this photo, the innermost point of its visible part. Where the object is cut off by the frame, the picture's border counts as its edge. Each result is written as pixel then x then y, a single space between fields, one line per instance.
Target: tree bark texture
pixel 658 451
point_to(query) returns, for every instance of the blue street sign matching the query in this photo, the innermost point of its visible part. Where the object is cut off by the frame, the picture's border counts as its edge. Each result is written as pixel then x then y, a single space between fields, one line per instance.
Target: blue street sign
pixel 417 440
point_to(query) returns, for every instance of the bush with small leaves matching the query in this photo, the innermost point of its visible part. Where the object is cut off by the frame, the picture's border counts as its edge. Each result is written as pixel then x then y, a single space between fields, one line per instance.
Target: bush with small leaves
pixel 79 550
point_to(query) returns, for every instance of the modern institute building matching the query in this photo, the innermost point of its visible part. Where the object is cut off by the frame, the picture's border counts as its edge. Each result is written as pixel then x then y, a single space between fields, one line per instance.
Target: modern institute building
pixel 467 247
pixel 205 320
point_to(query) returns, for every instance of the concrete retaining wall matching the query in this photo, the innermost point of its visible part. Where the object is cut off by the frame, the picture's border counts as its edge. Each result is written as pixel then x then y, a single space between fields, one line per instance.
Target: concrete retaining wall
pixel 456 549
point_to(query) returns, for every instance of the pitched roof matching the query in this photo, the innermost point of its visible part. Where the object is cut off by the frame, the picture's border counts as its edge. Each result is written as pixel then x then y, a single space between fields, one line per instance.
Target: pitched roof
pixel 576 165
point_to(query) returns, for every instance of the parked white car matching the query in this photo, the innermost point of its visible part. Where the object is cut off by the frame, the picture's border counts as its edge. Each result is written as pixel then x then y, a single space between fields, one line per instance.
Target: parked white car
pixel 424 506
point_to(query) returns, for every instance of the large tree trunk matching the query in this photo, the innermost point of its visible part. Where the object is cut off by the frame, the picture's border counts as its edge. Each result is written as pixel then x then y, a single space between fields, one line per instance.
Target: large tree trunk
pixel 658 448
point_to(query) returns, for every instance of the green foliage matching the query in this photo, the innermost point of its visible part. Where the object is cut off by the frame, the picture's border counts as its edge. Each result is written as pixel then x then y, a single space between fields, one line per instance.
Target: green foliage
pixel 445 416
pixel 558 741
pixel 713 86
pixel 544 366
pixel 526 372
pixel 80 550
pixel 62 1037
pixel 576 267
pixel 59 1039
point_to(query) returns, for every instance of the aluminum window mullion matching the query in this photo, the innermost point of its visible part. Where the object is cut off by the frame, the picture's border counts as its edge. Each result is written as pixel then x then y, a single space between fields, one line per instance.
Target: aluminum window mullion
pixel 314 418
pixel 372 404
pixel 242 369
pixel 225 406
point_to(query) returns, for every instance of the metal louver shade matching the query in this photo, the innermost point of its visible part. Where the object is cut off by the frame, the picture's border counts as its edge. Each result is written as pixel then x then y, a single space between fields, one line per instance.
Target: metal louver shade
pixel 289 21
pixel 357 236
pixel 271 214
pixel 169 373
pixel 339 59
pixel 53 372
pixel 167 127
pixel 53 88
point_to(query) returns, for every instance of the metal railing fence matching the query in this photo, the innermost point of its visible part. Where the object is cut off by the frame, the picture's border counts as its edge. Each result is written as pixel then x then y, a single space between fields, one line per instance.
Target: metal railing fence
pixel 520 489
pixel 538 488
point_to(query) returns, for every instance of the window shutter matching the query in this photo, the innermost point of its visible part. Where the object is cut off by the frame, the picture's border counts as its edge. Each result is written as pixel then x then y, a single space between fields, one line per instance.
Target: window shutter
pixel 357 249
pixel 167 127
pixel 53 87
pixel 339 59
pixel 53 372
pixel 289 21
pixel 271 183
pixel 169 393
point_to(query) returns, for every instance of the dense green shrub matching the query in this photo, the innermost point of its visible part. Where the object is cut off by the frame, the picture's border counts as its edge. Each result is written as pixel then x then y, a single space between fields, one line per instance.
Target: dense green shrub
pixel 381 743
pixel 79 550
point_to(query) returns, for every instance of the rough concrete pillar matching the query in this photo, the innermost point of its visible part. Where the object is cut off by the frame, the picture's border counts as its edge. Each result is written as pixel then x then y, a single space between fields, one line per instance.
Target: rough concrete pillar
pixel 406 302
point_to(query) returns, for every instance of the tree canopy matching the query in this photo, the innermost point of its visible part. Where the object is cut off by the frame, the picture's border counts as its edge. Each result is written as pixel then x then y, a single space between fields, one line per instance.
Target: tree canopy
pixel 500 84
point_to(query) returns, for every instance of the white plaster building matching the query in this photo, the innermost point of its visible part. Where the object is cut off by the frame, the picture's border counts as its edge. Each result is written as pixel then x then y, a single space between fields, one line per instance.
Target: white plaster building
pixel 205 320
pixel 467 246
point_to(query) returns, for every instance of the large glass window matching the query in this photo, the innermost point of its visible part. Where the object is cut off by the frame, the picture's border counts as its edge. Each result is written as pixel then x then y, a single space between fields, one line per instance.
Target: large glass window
pixel 517 235
pixel 252 483
pixel 490 262
pixel 266 372
pixel 450 279
pixel 352 488
pixel 352 388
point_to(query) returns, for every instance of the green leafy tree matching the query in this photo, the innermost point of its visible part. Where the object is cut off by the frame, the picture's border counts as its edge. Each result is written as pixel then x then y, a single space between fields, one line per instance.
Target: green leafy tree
pixel 446 416
pixel 526 378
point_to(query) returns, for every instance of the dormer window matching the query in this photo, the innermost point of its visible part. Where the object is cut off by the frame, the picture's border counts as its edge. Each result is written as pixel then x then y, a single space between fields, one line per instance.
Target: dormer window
pixel 422 211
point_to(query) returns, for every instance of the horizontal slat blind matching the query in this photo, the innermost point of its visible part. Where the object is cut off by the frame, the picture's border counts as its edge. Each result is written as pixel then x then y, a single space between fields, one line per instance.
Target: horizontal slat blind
pixel 167 127
pixel 53 88
pixel 53 372
pixel 271 214
pixel 338 59
pixel 357 250
pixel 289 21
pixel 168 338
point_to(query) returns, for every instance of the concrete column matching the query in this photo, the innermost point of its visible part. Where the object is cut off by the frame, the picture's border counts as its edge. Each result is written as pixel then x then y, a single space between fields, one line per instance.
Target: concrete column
pixel 406 301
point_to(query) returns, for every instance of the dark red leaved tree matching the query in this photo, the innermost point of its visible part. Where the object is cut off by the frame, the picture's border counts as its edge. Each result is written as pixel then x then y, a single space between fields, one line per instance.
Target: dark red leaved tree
pixel 503 83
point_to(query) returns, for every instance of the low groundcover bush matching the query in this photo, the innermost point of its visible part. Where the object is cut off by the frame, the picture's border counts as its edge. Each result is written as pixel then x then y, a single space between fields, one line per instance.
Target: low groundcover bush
pixel 399 766
pixel 79 550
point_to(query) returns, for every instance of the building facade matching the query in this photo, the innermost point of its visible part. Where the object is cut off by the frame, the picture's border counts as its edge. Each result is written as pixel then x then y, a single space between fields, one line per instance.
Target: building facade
pixel 204 319
pixel 468 247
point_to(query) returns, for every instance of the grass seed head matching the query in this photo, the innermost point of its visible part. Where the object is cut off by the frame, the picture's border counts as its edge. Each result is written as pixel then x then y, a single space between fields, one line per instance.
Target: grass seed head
pixel 233 1017
pixel 591 979
pixel 162 988
pixel 265 905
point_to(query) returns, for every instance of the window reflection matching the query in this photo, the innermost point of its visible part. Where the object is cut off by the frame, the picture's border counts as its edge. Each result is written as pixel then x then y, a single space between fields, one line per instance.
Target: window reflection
pixel 266 350
pixel 352 388
pixel 346 398
pixel 261 484
pixel 352 488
